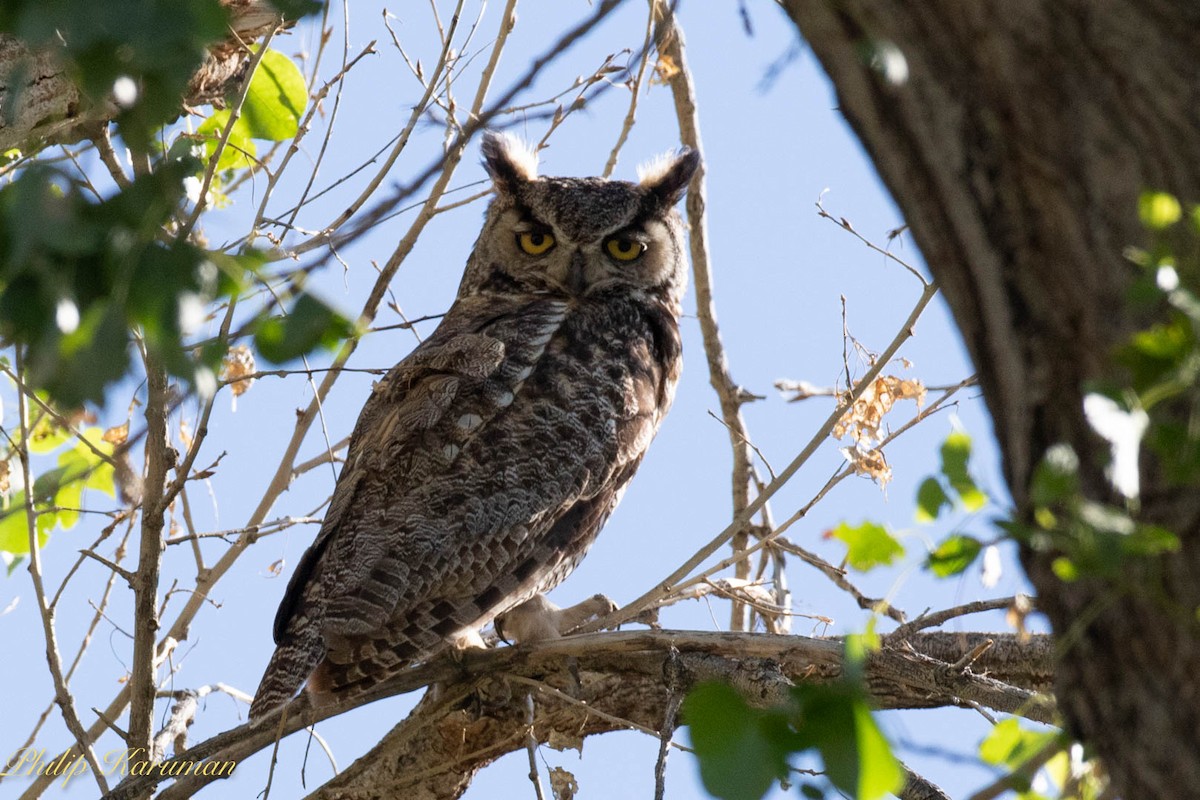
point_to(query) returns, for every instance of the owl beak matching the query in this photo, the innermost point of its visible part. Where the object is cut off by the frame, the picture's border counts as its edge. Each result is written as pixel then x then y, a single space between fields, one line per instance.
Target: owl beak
pixel 577 273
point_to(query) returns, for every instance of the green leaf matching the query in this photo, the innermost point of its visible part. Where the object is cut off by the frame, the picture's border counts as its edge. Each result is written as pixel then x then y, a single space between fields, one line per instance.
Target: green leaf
pixel 953 555
pixel 1150 540
pixel 239 148
pixel 68 500
pixel 1158 210
pixel 742 751
pixel 869 545
pixel 86 469
pixel 956 453
pixel 14 530
pixel 836 721
pixel 931 499
pixel 1009 745
pixel 857 647
pixel 275 100
pixel 1055 478
pixel 309 324
pixel 879 773
pixel 89 358
pixel 46 436
pixel 1065 569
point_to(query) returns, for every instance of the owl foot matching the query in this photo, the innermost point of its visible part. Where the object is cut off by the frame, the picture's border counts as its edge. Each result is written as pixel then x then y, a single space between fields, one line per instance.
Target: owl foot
pixel 537 619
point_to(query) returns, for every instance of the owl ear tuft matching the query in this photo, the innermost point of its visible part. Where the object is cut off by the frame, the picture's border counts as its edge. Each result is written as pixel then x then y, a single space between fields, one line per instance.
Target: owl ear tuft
pixel 669 175
pixel 508 160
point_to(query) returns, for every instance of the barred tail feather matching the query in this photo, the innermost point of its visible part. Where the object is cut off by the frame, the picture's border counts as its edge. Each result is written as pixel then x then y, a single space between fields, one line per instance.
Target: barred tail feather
pixel 290 665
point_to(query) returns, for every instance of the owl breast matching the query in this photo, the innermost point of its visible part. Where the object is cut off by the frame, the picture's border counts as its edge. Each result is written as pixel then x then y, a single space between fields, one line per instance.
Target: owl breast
pixel 590 382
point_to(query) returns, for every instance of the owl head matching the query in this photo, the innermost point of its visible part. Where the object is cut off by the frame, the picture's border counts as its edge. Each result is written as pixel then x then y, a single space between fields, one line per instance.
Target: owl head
pixel 580 238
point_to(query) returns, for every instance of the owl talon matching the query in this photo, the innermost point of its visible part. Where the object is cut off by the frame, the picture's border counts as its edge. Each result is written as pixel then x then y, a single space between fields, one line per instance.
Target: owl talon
pixel 539 620
pixel 466 639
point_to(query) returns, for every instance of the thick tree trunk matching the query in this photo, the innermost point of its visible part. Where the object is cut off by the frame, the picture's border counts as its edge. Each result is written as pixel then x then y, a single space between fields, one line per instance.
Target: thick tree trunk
pixel 1016 135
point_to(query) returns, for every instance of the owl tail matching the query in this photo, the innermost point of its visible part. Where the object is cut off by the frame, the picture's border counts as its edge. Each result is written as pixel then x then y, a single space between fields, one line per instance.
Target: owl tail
pixel 290 665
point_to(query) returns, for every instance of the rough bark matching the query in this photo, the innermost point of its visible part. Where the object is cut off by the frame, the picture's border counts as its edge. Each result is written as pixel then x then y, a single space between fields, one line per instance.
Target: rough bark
pixel 614 681
pixel 40 104
pixel 436 752
pixel 1017 146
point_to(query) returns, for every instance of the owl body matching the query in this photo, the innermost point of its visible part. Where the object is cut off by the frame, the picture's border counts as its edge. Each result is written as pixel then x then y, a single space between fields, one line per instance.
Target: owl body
pixel 484 464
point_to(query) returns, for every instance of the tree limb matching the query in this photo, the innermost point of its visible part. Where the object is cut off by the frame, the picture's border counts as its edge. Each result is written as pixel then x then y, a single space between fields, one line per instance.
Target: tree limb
pixel 477 714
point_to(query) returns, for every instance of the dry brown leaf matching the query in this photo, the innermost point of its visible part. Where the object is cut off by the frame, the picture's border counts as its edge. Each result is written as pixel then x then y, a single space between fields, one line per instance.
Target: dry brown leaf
pixel 185 434
pixel 863 421
pixel 664 69
pixel 81 417
pixel 276 568
pixel 1017 613
pixel 560 740
pixel 237 364
pixel 563 784
pixel 870 463
pixel 117 434
pixel 5 467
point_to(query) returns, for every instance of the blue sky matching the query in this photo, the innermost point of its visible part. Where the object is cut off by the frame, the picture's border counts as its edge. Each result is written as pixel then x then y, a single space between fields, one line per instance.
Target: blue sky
pixel 771 148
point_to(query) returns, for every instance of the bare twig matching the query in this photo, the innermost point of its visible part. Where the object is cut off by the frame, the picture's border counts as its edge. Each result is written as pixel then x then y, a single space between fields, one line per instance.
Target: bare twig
pixel 668 38
pixel 664 745
pixel 838 576
pixel 670 583
pixel 103 142
pixel 62 693
pixel 635 90
pixel 401 142
pixel 129 577
pixel 939 617
pixel 531 746
pixel 845 225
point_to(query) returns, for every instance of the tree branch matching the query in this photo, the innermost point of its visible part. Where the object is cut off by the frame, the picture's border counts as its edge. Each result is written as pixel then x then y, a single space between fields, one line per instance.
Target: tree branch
pixel 160 457
pixel 436 751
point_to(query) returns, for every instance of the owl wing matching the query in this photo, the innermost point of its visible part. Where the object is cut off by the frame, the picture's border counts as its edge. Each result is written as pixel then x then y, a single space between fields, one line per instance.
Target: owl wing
pixel 407 402
pixel 411 399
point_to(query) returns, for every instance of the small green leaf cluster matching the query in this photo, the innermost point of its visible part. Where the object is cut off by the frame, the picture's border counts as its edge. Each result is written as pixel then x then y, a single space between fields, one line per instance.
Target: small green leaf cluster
pixel 1095 538
pixel 744 750
pixel 1162 361
pixel 1018 749
pixel 58 492
pixel 868 545
pixel 1158 377
pixel 80 277
pixel 274 104
pixel 954 487
pixel 77 275
pixel 156 44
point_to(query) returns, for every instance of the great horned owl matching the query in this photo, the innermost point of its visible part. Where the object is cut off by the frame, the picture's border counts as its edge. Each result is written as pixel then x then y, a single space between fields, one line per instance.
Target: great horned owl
pixel 484 464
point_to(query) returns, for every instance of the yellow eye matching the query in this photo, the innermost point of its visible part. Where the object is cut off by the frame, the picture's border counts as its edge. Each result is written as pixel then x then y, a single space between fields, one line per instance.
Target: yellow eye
pixel 535 242
pixel 624 249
